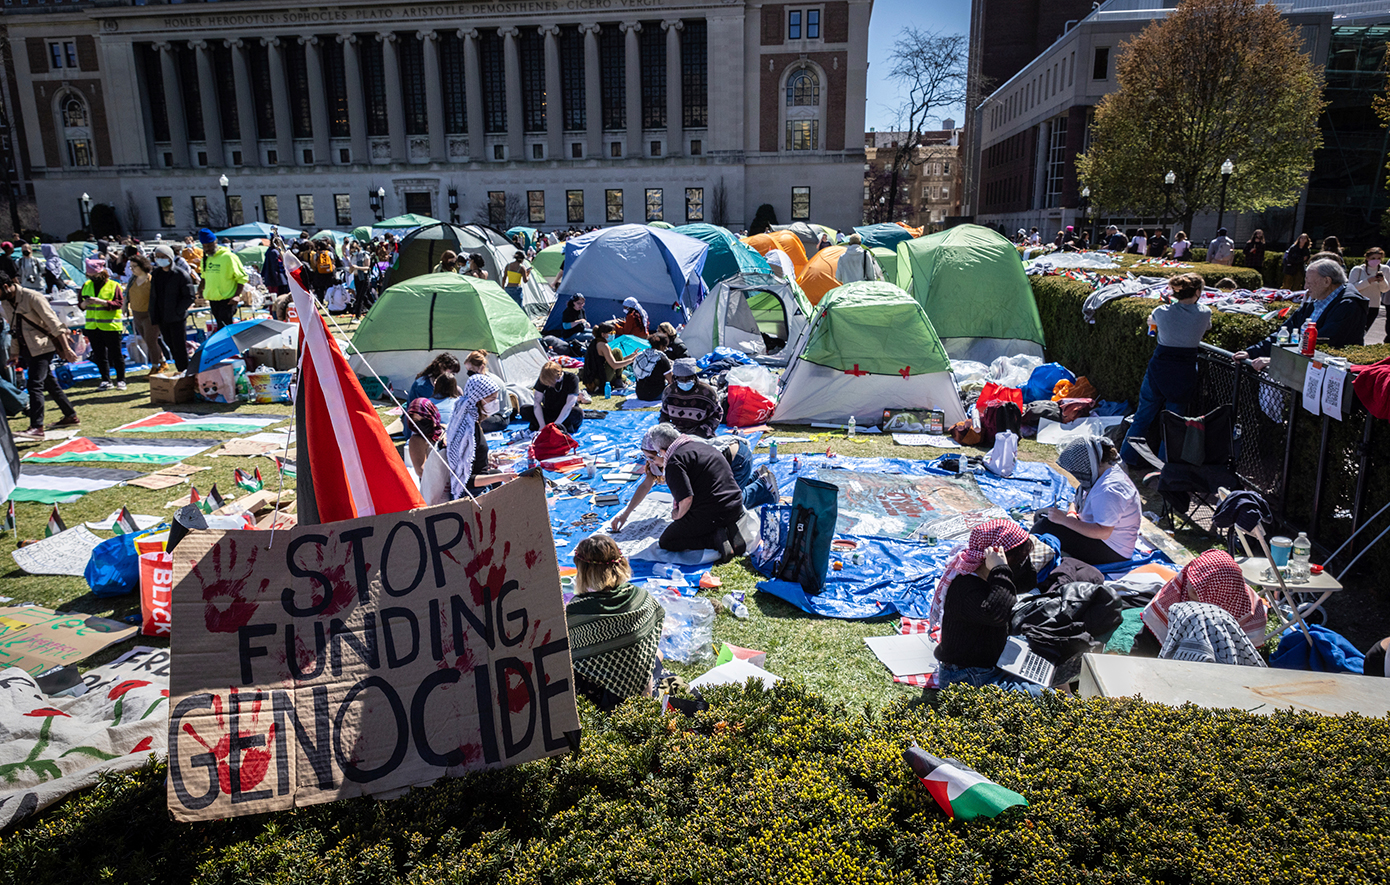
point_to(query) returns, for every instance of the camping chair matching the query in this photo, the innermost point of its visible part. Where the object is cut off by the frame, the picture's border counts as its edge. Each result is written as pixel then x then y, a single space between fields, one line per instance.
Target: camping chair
pixel 1201 459
pixel 1292 614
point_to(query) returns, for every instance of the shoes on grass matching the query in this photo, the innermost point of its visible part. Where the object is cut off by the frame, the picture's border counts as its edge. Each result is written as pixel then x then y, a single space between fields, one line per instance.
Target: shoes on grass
pixel 66 421
pixel 120 385
pixel 105 385
pixel 31 433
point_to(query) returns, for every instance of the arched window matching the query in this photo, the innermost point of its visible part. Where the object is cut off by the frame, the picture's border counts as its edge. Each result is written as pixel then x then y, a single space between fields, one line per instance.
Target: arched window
pixel 77 132
pixel 74 112
pixel 803 89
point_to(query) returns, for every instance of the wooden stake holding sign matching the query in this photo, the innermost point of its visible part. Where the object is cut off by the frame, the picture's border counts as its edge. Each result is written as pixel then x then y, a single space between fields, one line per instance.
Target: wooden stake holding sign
pixel 367 656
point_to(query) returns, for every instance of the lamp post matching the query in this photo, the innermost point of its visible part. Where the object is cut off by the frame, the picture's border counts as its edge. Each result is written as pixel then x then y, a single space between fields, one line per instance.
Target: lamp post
pixel 881 200
pixel 1168 181
pixel 226 200
pixel 1227 170
pixel 85 208
pixel 453 205
pixel 1085 206
pixel 381 200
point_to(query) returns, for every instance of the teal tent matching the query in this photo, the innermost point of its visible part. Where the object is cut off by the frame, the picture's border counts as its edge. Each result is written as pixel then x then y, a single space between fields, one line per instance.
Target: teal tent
pixel 257 229
pixel 886 235
pixel 727 256
pixel 405 222
pixel 528 235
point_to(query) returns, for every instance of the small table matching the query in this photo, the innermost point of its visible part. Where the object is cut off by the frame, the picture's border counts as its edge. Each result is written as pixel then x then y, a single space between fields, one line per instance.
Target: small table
pixel 1253 569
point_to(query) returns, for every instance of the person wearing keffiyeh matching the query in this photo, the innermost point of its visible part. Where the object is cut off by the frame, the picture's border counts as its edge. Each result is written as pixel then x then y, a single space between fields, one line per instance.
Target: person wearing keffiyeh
pixel 1211 578
pixel 634 321
pixel 467 454
pixel 1105 526
pixel 614 626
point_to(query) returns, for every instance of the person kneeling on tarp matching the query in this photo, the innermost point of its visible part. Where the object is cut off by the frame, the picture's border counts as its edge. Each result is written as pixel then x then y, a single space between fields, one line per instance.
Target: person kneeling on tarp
pixel 977 602
pixel 1105 527
pixel 555 400
pixel 708 502
pixel 468 458
pixel 614 626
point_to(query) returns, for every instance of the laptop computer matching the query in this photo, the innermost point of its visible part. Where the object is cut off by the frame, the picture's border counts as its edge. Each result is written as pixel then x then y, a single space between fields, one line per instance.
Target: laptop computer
pixel 1019 660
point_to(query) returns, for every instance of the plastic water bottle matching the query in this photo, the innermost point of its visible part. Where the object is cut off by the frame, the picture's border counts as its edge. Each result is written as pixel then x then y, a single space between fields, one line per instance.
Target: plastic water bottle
pixel 607 389
pixel 1293 338
pixel 850 431
pixel 1037 499
pixel 735 604
pixel 1283 337
pixel 772 450
pixel 1299 571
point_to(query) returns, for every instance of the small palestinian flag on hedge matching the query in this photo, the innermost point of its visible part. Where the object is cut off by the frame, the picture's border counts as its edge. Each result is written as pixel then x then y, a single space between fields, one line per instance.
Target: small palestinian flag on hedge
pixel 55 523
pixel 251 482
pixel 9 516
pixel 961 791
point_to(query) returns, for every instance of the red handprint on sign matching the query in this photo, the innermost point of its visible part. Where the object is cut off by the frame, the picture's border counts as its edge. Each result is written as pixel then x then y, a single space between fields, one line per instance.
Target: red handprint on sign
pixel 344 587
pixel 228 606
pixel 486 590
pixel 255 761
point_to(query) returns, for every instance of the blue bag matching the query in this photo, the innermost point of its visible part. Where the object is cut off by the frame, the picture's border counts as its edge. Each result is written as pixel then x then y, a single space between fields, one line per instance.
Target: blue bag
pixel 1329 653
pixel 1043 379
pixel 114 568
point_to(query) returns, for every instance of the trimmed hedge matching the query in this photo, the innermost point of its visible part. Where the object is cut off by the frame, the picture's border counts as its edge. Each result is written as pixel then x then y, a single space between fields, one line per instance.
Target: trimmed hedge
pixel 780 787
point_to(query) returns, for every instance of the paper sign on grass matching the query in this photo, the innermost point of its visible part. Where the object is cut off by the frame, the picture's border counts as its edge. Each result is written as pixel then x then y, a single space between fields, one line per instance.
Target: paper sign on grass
pixel 367 656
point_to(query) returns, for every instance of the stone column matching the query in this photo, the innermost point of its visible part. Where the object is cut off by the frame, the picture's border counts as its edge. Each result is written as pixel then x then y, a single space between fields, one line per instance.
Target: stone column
pixel 280 99
pixel 516 126
pixel 207 93
pixel 173 104
pixel 357 103
pixel 434 97
pixel 473 95
pixel 245 103
pixel 395 110
pixel 554 96
pixel 634 89
pixel 675 132
pixel 593 92
pixel 318 101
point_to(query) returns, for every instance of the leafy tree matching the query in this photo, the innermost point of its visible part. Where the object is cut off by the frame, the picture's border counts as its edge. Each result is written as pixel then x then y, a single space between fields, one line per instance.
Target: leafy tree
pixel 1215 80
pixel 1382 107
pixel 763 219
pixel 931 66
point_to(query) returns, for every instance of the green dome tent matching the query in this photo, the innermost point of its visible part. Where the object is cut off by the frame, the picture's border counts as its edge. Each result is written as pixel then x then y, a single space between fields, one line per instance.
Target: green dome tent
pixel 403 222
pixel 971 283
pixel 869 347
pixel 548 261
pixel 421 249
pixel 415 320
pixel 727 256
pixel 743 311
pixel 888 261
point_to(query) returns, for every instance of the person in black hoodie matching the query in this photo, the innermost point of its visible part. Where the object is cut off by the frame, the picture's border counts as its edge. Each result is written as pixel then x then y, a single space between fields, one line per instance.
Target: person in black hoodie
pixel 172 292
pixel 1338 311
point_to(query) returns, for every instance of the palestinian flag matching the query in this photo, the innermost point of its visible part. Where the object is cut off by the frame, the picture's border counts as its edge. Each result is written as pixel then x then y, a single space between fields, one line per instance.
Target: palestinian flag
pixel 110 450
pixel 9 462
pixel 55 523
pixel 212 501
pixel 65 483
pixel 248 481
pixel 125 523
pixel 173 422
pixel 286 466
pixel 961 792
pixel 9 517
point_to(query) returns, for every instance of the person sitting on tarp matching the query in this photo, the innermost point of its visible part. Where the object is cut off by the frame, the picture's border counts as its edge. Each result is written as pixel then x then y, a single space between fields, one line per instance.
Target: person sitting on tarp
pixel 601 365
pixel 708 502
pixel 634 321
pixel 1170 382
pixel 759 486
pixel 614 626
pixel 468 453
pixel 1338 311
pixel 977 594
pixel 675 347
pixel 1105 527
pixel 689 403
pixel 556 400
pixel 652 369
pixel 1211 578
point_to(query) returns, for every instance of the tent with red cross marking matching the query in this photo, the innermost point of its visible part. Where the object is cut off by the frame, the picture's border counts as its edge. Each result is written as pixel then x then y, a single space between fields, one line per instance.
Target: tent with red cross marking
pixel 869 347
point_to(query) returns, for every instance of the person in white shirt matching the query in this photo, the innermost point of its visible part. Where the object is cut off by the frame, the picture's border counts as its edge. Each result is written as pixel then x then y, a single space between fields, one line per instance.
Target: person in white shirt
pixel 857 263
pixel 1139 245
pixel 1369 279
pixel 1105 527
pixel 1222 249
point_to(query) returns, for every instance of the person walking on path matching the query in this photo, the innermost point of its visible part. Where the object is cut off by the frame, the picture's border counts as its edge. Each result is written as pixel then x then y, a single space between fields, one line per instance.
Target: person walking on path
pixel 39 336
pixel 1222 249
pixel 224 279
pixel 103 301
pixel 171 295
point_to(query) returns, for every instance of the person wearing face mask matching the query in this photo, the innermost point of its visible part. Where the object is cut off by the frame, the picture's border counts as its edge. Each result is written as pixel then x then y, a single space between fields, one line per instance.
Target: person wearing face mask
pixel 172 293
pixel 30 269
pixel 37 337
pixel 467 453
pixel 224 279
pixel 103 301
pixel 601 365
pixel 690 404
pixel 555 400
pixel 1369 280
pixel 138 269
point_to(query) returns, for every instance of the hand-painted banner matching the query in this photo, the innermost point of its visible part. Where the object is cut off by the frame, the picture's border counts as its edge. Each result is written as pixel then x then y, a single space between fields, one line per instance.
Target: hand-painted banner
pixel 366 656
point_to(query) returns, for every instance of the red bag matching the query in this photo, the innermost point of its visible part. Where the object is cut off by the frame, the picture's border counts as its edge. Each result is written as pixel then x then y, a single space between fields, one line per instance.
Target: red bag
pixel 993 393
pixel 552 442
pixel 747 407
pixel 156 593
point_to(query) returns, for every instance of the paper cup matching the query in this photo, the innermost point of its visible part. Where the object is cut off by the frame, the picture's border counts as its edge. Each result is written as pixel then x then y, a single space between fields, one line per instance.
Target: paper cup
pixel 1279 548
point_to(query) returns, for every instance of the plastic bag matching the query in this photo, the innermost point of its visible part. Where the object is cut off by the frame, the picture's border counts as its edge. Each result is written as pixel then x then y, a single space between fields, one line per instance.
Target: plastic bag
pixel 1013 371
pixel 114 567
pixel 1044 379
pixel 687 632
pixel 1001 458
pixel 756 377
pixel 748 407
pixel 970 377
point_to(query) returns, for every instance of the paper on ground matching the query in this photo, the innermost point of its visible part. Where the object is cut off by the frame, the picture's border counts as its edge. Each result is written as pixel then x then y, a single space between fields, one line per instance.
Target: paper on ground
pixel 1054 433
pixel 908 654
pixel 65 553
pixel 736 672
pixel 940 441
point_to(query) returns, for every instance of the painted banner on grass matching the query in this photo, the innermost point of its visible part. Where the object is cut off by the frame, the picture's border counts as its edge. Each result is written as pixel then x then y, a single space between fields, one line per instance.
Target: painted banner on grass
pixel 171 422
pixel 64 483
pixel 366 656
pixel 892 506
pixel 127 450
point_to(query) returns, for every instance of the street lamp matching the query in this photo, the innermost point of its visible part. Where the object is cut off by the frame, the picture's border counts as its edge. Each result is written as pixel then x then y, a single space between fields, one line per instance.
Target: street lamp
pixel 226 201
pixel 381 199
pixel 453 205
pixel 375 204
pixel 1085 206
pixel 1227 170
pixel 1168 181
pixel 85 207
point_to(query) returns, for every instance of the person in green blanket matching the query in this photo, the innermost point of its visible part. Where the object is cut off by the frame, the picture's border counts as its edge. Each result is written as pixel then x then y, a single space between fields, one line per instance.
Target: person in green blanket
pixel 614 626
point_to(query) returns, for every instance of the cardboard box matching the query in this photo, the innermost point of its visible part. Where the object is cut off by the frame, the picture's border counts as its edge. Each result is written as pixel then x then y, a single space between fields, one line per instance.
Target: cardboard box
pixel 173 389
pixel 281 359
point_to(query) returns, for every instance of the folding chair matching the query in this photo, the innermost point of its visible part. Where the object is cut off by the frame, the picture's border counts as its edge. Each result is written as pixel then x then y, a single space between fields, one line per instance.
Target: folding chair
pixel 1201 460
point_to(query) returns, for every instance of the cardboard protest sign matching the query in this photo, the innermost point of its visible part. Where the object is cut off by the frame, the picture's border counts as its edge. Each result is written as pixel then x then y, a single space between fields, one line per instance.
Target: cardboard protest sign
pixel 366 656
pixel 36 639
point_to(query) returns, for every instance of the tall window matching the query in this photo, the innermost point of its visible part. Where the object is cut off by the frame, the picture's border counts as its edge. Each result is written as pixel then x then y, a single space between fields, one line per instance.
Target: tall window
pixel 1056 163
pixel 613 203
pixel 451 70
pixel 226 91
pixel 613 77
pixel 77 132
pixel 166 211
pixel 654 204
pixel 794 25
pixel 803 135
pixel 572 77
pixel 694 204
pixel 237 216
pixel 63 54
pixel 494 81
pixel 497 208
pixel 335 85
pixel 270 205
pixel 200 212
pixel 306 211
pixel 801 204
pixel 803 89
pixel 411 55
pixel 297 75
pixel 653 55
pixel 187 65
pixel 373 63
pixel 258 57
pixel 535 207
pixel 154 92
pixel 531 55
pixel 695 75
pixel 1100 69
pixel 574 207
pixel 812 24
pixel 342 209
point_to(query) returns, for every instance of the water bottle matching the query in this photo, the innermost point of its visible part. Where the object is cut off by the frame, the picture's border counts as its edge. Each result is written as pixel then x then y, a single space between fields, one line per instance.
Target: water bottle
pixel 607 389
pixel 796 464
pixel 850 431
pixel 772 451
pixel 735 604
pixel 1299 571
pixel 1037 499
pixel 1283 336
pixel 1293 338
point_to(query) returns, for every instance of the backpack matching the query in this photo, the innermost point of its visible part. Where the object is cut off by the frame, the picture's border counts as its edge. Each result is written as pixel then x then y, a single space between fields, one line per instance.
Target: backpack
pixel 323 261
pixel 552 442
pixel 999 416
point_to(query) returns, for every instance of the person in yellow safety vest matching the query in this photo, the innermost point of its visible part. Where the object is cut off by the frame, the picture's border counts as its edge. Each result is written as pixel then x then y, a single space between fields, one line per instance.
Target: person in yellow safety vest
pixel 223 279
pixel 103 299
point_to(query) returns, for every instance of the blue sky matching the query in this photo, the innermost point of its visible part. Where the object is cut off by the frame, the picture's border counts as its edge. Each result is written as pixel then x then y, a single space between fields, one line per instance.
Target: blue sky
pixel 888 19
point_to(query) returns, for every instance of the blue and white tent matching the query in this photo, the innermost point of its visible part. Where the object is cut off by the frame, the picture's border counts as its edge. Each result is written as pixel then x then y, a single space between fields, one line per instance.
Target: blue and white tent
pixel 660 268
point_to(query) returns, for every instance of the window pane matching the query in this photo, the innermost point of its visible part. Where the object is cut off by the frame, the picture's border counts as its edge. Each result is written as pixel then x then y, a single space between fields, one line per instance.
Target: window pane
pixel 794 25
pixel 531 54
pixel 411 56
pixel 535 206
pixel 200 211
pixel 451 70
pixel 226 89
pixel 270 203
pixel 186 63
pixel 297 73
pixel 259 61
pixel 57 51
pixel 653 55
pixel 335 87
pixel 373 64
pixel 166 211
pixel 497 208
pixel 494 81
pixel 306 211
pixel 803 89
pixel 694 204
pixel 613 199
pixel 813 23
pixel 1101 68
pixel 801 203
pixel 572 77
pixel 613 77
pixel 342 208
pixel 695 75
pixel 654 204
pixel 71 50
pixel 574 207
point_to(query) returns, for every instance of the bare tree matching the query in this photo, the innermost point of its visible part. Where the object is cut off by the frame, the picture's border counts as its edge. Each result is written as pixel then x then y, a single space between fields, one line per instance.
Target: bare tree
pixel 719 204
pixel 508 212
pixel 932 68
pixel 880 184
pixel 134 219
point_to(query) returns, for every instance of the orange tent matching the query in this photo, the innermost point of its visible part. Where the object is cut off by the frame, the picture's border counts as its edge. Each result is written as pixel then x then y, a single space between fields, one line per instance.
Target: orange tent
pixel 780 239
pixel 915 231
pixel 819 275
